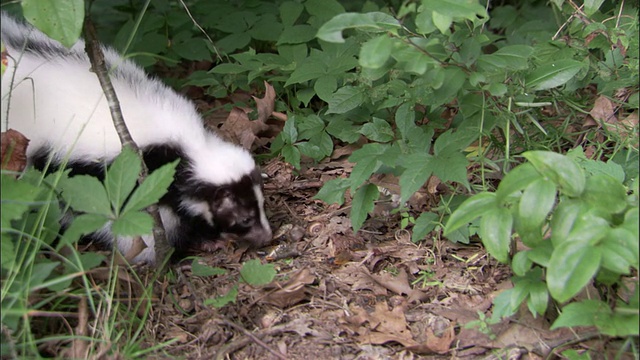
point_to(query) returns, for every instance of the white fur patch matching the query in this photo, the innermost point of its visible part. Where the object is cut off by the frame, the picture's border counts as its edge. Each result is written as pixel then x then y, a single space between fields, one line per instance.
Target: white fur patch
pixel 198 208
pixel 263 217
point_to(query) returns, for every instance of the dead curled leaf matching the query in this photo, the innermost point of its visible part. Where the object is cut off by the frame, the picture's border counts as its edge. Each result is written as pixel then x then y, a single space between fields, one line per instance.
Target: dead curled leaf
pixel 14 150
pixel 291 292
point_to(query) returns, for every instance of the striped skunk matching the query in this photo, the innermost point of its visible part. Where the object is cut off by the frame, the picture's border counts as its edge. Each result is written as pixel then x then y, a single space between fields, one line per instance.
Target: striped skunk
pixel 51 97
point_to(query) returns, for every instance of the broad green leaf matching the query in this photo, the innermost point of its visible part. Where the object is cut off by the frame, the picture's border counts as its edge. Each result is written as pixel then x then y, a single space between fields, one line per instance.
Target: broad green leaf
pixel 405 119
pixel 377 130
pixel 86 194
pixel 331 31
pixel 324 9
pixel 589 228
pixel 362 204
pixel 416 173
pixel 521 264
pixel 453 141
pixel 152 188
pixel 308 127
pixel 17 196
pixel 82 225
pixel 290 11
pixel 449 90
pixel 571 267
pixel 345 99
pixel 255 273
pixel 200 269
pixel 220 301
pixel 512 57
pixel 61 21
pixel 468 9
pixel 591 6
pixel 503 304
pixel 538 298
pixel 325 86
pixel 313 67
pixel 40 272
pixel 367 160
pixel 516 180
pixel 604 192
pixel 554 74
pixel 132 223
pixel 470 209
pixel 332 192
pixel 450 167
pixel 441 21
pixel 121 177
pixel 619 251
pixel 297 34
pixel 535 204
pixel 291 155
pixel 495 231
pixel 632 221
pixel 343 130
pixel 375 52
pixel 559 169
pixel 311 150
pixel 425 223
pixel 289 131
pixel 581 313
pixel 541 254
pixel 563 219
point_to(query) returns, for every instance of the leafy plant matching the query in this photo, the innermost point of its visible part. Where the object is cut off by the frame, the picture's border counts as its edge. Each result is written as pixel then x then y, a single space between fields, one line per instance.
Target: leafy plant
pixel 577 227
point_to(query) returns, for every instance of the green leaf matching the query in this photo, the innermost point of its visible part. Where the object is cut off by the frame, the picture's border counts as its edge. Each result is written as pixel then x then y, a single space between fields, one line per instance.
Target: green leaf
pixel 86 194
pixel 152 188
pixel 512 57
pixel 405 119
pixel 425 223
pixel 362 204
pixel 367 160
pixel 553 74
pixel 604 192
pixel 291 155
pixel 516 180
pixel 470 9
pixel 378 130
pixel 311 68
pixel 308 127
pixel 220 301
pixel 375 52
pixel 564 216
pixel 583 313
pixel 289 131
pixel 255 273
pixel 325 86
pixel 416 173
pixel 200 269
pixel 441 21
pixel 343 130
pixel 571 267
pixel 17 196
pixel 450 167
pixel 332 192
pixel 132 223
pixel 82 225
pixel 345 99
pixel 495 231
pixel 470 209
pixel 61 21
pixel 297 34
pixel 535 204
pixel 619 251
pixel 521 264
pixel 121 177
pixel 560 169
pixel 290 11
pixel 331 31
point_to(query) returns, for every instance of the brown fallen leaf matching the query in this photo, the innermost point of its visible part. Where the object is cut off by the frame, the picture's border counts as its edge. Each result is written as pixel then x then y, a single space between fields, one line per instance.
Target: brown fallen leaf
pixel 291 292
pixel 266 104
pixel 14 150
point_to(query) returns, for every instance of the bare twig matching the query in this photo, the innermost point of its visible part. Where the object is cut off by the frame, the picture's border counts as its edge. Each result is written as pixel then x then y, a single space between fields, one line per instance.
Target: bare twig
pixel 96 57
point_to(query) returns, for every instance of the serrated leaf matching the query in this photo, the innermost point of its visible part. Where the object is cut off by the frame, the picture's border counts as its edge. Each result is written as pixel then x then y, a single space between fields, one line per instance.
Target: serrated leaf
pixel 377 130
pixel 535 204
pixel 132 223
pixel 332 192
pixel 495 231
pixel 553 74
pixel 290 11
pixel 291 155
pixel 289 131
pixel 313 67
pixel 416 173
pixel 255 273
pixel 152 188
pixel 560 169
pixel 425 223
pixel 308 126
pixel 367 160
pixel 345 99
pixel 375 52
pixel 121 177
pixel 512 57
pixel 17 196
pixel 86 194
pixel 571 267
pixel 469 210
pixel 581 313
pixel 343 130
pixel 362 204
pixel 405 119
pixel 451 167
pixel 325 86
pixel 82 225
pixel 297 34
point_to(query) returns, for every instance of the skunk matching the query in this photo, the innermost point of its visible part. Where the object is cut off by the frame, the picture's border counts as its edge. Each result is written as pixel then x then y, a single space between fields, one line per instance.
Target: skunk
pixel 50 95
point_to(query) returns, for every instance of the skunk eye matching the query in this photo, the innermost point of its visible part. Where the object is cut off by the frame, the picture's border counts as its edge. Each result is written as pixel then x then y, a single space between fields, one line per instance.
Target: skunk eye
pixel 246 222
